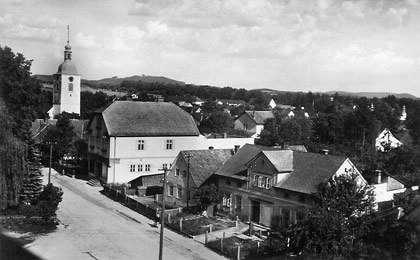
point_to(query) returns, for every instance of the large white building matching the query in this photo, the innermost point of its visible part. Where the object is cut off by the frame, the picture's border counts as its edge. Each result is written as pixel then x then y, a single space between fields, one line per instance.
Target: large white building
pixel 130 139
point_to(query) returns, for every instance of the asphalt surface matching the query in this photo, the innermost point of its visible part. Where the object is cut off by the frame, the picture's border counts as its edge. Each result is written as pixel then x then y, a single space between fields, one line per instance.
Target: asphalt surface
pixel 92 226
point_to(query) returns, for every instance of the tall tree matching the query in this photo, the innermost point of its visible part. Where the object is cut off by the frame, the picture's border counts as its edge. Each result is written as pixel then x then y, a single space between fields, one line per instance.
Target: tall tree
pixel 21 92
pixel 32 183
pixel 12 163
pixel 343 211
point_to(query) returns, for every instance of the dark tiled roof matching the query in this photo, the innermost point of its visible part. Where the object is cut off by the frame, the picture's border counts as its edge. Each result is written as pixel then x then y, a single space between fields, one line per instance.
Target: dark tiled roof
pixel 260 116
pixel 204 163
pixel 131 118
pixel 237 163
pixel 309 170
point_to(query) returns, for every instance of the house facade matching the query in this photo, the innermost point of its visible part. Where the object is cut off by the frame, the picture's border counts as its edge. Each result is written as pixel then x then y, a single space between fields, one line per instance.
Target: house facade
pixel 191 170
pixel 274 187
pixel 252 121
pixel 129 139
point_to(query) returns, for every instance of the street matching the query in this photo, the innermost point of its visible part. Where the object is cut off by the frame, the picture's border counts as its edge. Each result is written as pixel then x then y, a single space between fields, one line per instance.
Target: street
pixel 92 226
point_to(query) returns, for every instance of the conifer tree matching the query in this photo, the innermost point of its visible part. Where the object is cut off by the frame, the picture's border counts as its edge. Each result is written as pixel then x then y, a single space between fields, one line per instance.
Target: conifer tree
pixel 32 183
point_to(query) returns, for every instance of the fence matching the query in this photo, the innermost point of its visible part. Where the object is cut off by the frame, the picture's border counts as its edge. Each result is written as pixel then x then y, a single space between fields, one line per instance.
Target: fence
pixel 149 211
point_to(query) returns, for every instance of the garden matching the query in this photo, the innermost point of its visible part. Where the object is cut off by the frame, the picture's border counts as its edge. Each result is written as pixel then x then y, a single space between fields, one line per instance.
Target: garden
pixel 194 225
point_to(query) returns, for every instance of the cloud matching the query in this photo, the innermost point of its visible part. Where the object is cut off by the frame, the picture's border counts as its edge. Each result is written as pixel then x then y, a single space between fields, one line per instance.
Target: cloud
pixel 355 58
pixel 29 33
pixel 125 38
pixel 84 41
pixel 397 16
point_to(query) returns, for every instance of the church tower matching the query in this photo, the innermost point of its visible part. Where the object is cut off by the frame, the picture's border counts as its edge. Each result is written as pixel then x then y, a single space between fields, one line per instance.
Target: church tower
pixel 66 89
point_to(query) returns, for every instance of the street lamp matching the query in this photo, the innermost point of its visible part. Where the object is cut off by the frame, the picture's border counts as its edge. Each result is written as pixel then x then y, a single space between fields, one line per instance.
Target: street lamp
pixel 162 219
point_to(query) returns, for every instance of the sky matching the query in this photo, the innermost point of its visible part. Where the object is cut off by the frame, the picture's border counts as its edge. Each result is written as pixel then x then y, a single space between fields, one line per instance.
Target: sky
pixel 290 45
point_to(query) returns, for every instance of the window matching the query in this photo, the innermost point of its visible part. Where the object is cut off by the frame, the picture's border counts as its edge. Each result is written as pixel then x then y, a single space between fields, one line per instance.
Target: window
pixel 177 172
pixel 132 168
pixel 140 167
pixel 140 145
pixel 267 183
pixel 165 166
pixel 180 190
pixel 227 181
pixel 147 167
pixel 169 144
pixel 70 86
pixel 261 181
pixel 184 173
pixel 171 190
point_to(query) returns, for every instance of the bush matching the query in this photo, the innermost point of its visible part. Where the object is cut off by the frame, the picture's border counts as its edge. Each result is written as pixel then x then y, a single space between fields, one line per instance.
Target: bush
pixel 46 204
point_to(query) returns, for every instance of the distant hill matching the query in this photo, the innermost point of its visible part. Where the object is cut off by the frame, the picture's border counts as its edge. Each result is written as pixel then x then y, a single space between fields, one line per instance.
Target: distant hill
pixel 353 94
pixel 115 81
pixel 372 94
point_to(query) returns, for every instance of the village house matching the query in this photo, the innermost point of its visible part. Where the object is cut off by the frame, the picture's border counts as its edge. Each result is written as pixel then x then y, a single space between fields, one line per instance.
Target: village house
pixel 191 170
pixel 252 121
pixel 273 187
pixel 129 139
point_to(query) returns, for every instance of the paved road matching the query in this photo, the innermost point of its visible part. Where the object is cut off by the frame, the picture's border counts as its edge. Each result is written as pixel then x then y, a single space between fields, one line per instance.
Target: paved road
pixel 94 227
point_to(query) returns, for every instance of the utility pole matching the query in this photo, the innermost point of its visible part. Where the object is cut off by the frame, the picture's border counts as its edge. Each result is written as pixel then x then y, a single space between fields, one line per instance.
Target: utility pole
pixel 49 171
pixel 188 180
pixel 162 218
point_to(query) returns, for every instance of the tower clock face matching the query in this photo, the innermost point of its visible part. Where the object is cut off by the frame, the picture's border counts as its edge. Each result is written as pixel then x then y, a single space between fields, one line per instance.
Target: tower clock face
pixel 71 79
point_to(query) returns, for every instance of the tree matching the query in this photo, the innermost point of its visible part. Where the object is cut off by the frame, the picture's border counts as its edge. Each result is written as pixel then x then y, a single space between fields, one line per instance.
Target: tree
pixel 32 183
pixel 48 201
pixel 21 92
pixel 13 164
pixel 61 137
pixel 217 122
pixel 208 195
pixel 343 211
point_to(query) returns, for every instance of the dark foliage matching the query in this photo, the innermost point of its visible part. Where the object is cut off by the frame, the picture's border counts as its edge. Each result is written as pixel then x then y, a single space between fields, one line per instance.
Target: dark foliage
pixel 343 212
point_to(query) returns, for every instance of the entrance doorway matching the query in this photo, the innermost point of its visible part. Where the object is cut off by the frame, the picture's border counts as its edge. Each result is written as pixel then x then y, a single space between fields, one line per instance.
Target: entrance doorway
pixel 255 211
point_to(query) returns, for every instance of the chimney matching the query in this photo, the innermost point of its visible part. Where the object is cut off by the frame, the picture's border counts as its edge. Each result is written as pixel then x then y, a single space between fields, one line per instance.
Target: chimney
pixel 236 148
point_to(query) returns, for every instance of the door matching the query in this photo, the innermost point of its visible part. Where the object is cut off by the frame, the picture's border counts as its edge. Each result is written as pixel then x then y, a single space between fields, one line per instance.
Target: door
pixel 255 211
pixel 266 212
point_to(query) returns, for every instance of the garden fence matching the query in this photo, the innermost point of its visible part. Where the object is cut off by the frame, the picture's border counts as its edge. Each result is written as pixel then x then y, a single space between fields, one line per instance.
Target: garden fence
pixel 139 207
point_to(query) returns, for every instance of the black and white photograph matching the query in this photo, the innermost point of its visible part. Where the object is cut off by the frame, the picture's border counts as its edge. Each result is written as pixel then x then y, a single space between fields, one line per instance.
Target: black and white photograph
pixel 220 129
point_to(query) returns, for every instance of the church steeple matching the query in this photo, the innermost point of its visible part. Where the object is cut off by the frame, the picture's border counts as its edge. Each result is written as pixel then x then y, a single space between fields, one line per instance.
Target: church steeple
pixel 67 51
pixel 67 83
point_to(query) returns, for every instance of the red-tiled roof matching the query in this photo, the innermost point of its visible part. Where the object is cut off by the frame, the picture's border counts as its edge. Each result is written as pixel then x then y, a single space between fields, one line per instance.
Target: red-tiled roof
pixel 131 118
pixel 203 163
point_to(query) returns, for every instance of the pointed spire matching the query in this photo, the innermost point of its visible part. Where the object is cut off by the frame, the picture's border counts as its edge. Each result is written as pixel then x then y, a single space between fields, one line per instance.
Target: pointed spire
pixel 67 51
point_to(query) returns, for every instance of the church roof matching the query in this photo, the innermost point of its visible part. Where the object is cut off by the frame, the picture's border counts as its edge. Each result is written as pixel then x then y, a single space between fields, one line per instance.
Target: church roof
pixel 131 118
pixel 67 68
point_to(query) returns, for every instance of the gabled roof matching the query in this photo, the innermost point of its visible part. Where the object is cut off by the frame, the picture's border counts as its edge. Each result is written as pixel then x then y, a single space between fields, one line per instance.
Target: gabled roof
pixel 203 163
pixel 259 116
pixel 308 169
pixel 131 118
pixel 237 163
